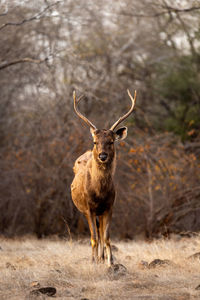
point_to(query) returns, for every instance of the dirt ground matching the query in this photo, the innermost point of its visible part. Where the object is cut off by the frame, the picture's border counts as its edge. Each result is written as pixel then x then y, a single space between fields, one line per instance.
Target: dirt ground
pixel 157 270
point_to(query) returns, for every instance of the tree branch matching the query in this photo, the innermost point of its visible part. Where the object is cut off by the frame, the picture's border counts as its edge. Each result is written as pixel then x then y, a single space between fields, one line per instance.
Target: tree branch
pixel 35 17
pixel 6 64
pixel 161 13
pixel 179 10
pixel 3 14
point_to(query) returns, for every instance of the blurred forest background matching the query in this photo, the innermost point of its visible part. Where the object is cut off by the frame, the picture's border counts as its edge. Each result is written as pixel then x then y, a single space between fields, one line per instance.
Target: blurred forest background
pixel 99 48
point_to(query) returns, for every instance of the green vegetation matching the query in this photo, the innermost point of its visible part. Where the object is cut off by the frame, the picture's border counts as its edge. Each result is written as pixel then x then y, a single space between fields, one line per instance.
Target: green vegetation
pixel 178 83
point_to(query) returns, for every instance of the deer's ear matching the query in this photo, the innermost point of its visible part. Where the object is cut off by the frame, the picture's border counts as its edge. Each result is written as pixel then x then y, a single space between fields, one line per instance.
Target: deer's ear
pixel 121 133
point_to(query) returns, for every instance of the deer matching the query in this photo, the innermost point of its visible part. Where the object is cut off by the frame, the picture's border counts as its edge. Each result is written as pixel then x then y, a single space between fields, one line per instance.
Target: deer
pixel 92 189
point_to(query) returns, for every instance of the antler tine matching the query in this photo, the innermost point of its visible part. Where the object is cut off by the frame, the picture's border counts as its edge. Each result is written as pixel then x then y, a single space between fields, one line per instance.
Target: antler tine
pixel 79 114
pixel 128 113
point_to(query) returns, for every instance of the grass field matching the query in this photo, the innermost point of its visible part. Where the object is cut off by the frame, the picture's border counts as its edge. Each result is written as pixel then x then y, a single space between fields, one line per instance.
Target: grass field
pixel 29 264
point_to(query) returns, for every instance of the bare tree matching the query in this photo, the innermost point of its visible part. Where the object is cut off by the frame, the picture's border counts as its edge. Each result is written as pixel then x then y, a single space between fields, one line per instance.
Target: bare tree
pixel 50 48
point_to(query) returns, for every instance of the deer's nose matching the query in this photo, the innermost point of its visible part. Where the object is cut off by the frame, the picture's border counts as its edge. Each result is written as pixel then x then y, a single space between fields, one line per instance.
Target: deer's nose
pixel 103 156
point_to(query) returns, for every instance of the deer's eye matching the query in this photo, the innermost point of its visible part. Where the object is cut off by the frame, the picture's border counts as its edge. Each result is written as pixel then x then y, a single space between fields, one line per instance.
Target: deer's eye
pixel 95 143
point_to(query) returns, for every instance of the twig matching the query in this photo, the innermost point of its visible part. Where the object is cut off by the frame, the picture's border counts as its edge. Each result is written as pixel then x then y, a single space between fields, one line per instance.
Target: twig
pixel 158 14
pixel 35 17
pixel 181 10
pixel 68 229
pixel 22 60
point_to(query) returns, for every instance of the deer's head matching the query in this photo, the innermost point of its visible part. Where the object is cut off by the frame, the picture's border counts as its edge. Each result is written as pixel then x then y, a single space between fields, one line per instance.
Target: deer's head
pixel 104 139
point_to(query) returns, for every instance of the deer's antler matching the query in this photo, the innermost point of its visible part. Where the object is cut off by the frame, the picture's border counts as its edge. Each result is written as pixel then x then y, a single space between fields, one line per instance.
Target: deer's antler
pixel 76 101
pixel 128 113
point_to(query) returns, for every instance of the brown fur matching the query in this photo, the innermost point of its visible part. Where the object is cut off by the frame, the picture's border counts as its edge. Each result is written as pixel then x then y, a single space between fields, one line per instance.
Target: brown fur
pixel 92 189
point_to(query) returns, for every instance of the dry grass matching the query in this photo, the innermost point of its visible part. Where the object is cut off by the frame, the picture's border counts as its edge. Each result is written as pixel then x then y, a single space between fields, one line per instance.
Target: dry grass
pixel 28 263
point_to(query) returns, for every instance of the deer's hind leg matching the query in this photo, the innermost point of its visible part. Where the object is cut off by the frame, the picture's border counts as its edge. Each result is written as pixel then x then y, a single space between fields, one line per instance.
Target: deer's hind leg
pixel 91 218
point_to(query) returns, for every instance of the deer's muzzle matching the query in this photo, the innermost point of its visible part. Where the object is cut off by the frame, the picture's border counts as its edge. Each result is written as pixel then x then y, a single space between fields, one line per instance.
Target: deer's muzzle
pixel 103 156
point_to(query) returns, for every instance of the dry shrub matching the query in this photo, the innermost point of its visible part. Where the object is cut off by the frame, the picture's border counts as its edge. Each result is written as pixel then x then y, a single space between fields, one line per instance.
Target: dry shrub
pixel 158 181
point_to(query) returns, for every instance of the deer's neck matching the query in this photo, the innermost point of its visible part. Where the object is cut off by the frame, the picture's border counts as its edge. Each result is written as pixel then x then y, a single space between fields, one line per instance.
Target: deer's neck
pixel 102 170
pixel 101 175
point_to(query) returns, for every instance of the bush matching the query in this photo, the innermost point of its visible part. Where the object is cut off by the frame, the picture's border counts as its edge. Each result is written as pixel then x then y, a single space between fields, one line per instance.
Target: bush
pixel 177 84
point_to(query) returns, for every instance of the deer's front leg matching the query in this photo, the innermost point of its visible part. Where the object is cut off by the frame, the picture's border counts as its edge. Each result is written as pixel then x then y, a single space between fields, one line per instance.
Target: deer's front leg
pixel 101 236
pixel 106 225
pixel 91 218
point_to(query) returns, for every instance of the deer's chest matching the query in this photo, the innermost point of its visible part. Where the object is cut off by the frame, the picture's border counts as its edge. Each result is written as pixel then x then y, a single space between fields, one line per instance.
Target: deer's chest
pixel 101 202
